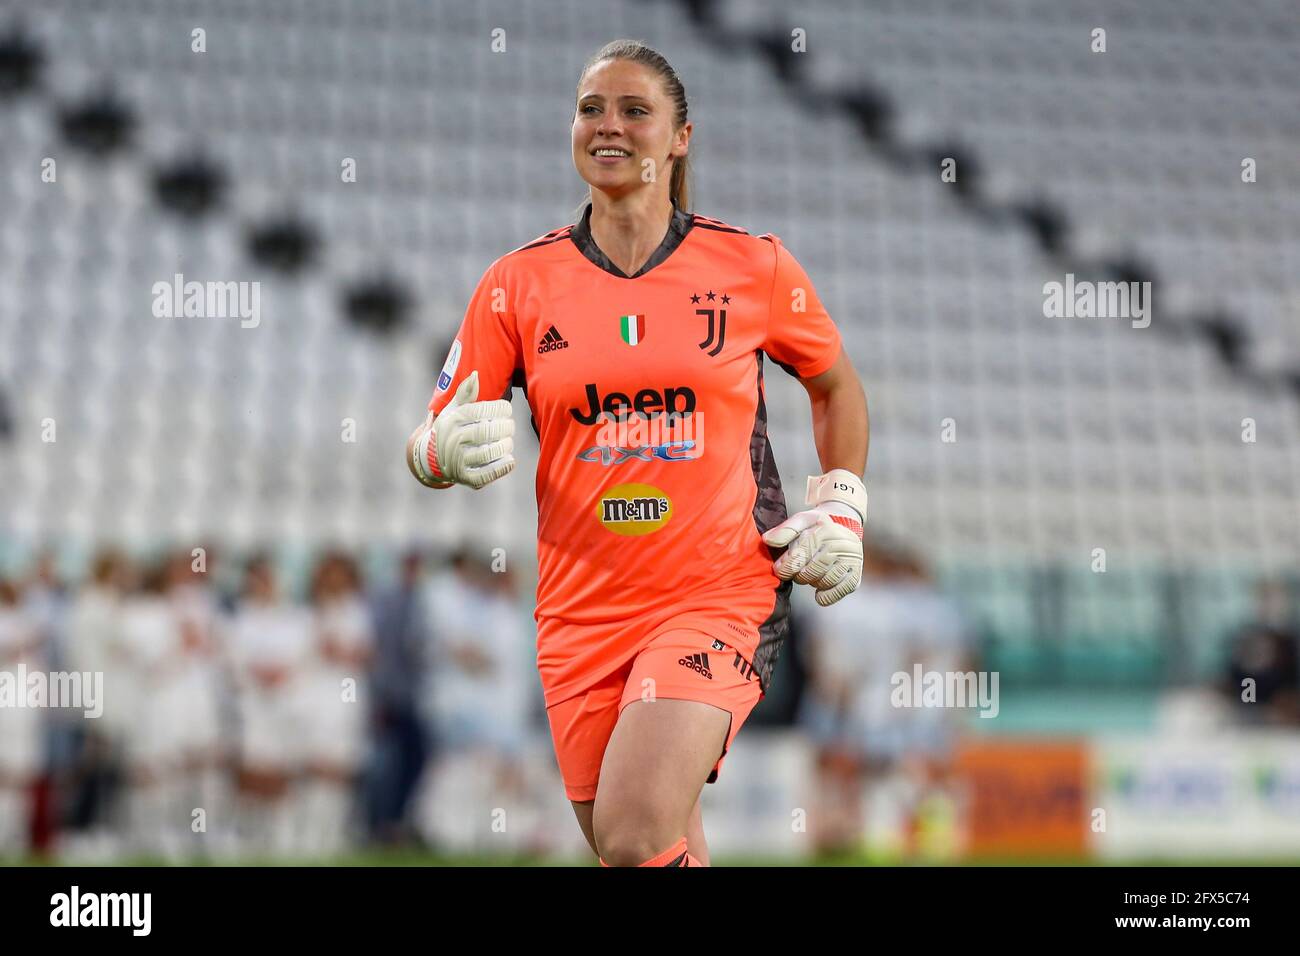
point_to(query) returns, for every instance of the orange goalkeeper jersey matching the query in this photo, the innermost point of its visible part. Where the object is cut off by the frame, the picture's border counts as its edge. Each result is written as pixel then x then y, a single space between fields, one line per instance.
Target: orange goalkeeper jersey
pixel 656 479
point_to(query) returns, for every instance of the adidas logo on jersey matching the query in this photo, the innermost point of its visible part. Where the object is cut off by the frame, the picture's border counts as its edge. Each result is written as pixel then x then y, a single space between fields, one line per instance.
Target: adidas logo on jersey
pixel 698 663
pixel 551 341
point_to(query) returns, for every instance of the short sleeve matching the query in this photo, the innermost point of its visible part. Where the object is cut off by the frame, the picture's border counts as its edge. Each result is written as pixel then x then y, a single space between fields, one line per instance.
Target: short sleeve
pixel 801 337
pixel 488 341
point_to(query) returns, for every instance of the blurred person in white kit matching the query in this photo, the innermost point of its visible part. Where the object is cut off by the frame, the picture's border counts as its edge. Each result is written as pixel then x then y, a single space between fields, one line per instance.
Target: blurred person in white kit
pixel 271 653
pixel 336 708
pixel 941 642
pixel 845 653
pixel 22 741
pixel 171 634
pixel 869 750
pixel 147 663
pixel 165 658
pixel 194 740
pixel 478 697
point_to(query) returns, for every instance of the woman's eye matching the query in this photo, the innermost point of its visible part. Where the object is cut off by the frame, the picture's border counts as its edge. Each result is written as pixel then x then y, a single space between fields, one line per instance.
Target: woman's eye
pixel 587 108
pixel 636 109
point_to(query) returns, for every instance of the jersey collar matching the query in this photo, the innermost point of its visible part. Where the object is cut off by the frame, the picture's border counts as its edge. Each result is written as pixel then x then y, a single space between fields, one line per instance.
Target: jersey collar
pixel 678 227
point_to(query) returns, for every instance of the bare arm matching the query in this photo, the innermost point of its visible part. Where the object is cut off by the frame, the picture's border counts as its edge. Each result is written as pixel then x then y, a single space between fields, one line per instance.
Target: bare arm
pixel 839 415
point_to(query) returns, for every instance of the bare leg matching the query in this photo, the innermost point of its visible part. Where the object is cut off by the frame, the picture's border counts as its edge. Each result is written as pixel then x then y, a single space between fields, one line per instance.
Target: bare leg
pixel 654 768
pixel 695 843
pixel 583 809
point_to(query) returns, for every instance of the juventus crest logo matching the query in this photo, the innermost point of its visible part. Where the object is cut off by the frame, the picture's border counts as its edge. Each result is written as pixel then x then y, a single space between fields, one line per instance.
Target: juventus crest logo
pixel 718 325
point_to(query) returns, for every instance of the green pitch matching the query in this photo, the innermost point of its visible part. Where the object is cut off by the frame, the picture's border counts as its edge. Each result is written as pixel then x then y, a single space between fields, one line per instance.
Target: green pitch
pixel 431 859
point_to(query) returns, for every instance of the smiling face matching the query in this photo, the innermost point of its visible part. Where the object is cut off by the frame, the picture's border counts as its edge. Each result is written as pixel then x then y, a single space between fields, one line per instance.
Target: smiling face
pixel 623 126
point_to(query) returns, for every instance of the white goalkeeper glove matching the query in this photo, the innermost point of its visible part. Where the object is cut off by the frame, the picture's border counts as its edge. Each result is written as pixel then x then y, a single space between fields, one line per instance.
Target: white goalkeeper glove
pixel 469 443
pixel 824 545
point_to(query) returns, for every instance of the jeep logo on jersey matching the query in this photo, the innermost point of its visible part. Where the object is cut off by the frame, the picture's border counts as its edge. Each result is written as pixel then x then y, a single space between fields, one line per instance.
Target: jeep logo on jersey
pixel 674 403
pixel 613 455
pixel 633 509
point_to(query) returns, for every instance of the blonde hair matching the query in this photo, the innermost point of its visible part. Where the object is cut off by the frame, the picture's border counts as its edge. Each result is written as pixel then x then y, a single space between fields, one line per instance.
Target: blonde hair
pixel 679 189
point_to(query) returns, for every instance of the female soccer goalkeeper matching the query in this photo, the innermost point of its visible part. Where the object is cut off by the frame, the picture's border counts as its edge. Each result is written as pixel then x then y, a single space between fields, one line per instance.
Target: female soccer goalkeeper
pixel 660 607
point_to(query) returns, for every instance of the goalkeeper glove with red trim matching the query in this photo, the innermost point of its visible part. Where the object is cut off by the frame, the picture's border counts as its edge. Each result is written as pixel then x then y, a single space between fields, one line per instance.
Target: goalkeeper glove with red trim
pixel 470 443
pixel 824 544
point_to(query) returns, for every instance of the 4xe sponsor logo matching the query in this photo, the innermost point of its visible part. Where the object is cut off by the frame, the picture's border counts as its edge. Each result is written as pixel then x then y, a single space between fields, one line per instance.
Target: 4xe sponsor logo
pixel 611 455
pixel 698 663
pixel 673 404
pixel 633 509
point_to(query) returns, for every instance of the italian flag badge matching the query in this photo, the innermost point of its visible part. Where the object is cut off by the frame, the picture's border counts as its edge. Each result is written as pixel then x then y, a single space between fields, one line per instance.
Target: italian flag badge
pixel 631 328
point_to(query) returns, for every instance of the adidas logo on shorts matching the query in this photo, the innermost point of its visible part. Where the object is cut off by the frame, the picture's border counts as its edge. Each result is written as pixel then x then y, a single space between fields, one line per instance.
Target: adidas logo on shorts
pixel 698 663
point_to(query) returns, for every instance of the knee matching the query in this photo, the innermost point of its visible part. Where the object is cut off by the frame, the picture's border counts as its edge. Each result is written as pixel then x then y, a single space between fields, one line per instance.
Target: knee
pixel 627 849
pixel 630 836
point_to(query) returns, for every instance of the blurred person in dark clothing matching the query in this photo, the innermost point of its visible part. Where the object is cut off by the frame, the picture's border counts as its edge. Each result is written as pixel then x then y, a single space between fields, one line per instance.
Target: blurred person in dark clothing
pixel 93 639
pixel 46 598
pixel 1263 679
pixel 402 745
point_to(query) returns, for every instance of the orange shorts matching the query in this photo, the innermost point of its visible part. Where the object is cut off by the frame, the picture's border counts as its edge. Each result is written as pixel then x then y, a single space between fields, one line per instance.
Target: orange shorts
pixel 678 664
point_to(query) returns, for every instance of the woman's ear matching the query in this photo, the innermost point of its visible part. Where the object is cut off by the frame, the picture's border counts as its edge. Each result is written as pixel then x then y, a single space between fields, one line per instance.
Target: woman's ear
pixel 682 139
